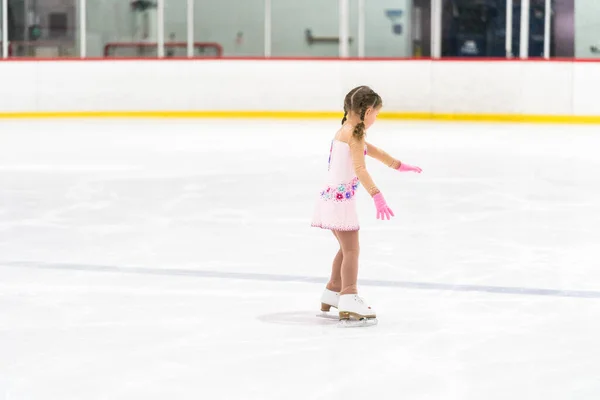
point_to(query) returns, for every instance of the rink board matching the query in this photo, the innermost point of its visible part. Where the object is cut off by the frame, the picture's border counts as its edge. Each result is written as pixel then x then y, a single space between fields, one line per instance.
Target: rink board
pixel 504 91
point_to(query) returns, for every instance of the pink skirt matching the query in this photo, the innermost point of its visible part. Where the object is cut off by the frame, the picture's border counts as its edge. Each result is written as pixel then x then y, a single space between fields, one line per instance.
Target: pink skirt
pixel 336 209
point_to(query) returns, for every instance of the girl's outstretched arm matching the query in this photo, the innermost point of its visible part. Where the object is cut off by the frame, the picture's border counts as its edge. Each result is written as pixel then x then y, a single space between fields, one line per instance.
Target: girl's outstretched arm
pixel 388 160
pixel 382 156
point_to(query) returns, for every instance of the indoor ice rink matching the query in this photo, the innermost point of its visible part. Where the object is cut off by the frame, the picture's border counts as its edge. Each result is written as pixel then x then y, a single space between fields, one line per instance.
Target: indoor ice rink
pixel 160 164
pixel 175 259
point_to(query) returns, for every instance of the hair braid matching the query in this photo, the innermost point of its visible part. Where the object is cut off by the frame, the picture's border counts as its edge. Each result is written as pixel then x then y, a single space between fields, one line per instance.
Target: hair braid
pixel 345 115
pixel 359 129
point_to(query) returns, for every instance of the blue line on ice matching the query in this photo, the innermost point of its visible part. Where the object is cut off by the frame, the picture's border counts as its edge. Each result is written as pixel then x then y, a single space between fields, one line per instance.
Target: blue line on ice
pixel 589 294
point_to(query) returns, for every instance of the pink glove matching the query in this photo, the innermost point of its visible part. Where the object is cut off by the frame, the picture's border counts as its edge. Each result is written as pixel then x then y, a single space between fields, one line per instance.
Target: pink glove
pixel 382 208
pixel 406 167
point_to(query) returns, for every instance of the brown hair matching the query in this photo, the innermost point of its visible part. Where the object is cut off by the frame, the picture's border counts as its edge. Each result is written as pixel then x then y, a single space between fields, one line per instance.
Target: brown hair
pixel 357 101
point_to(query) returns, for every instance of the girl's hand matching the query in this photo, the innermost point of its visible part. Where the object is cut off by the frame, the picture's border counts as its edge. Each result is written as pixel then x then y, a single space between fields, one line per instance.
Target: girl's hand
pixel 406 167
pixel 383 211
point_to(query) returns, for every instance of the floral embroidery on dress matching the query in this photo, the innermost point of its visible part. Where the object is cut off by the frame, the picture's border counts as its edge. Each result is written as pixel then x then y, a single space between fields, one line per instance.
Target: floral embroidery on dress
pixel 341 192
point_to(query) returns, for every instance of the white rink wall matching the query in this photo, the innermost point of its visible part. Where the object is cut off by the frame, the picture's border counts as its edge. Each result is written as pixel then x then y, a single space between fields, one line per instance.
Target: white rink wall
pixel 419 87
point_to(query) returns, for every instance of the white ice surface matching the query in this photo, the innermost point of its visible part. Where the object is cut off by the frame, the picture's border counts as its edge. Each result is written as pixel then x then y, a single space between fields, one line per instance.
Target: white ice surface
pixel 174 260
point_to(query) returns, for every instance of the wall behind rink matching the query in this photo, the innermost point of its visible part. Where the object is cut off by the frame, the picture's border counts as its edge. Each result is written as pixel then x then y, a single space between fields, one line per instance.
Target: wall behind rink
pixel 531 91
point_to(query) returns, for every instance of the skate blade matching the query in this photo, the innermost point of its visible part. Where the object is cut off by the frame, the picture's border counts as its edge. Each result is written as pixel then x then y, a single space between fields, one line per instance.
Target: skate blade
pixel 351 315
pixel 357 323
pixel 327 315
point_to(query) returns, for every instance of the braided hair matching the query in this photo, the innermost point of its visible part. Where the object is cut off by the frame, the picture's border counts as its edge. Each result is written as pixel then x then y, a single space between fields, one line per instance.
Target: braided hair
pixel 358 100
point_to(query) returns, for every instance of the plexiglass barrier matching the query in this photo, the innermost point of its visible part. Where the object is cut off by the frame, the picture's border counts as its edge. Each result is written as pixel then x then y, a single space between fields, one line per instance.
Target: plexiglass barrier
pixel 301 29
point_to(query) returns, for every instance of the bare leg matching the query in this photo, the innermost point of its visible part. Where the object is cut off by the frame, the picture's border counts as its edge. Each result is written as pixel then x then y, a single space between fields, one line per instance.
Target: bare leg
pixel 350 250
pixel 335 282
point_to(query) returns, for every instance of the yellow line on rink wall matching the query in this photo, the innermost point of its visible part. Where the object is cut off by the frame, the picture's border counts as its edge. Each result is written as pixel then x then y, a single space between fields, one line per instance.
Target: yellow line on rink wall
pixel 516 118
pixel 174 114
pixel 424 116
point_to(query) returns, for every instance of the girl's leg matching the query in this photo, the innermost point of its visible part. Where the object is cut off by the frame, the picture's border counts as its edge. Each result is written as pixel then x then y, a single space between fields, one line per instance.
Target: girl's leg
pixel 335 282
pixel 350 251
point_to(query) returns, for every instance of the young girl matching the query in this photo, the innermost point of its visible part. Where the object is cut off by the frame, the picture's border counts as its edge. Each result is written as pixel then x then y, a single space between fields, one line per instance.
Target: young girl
pixel 336 206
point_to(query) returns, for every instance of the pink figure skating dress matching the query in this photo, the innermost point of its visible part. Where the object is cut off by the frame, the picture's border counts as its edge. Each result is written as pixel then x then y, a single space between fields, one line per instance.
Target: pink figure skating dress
pixel 336 205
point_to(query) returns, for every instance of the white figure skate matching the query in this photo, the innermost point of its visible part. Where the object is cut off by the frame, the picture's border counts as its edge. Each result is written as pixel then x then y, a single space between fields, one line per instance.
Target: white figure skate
pixel 329 299
pixel 354 312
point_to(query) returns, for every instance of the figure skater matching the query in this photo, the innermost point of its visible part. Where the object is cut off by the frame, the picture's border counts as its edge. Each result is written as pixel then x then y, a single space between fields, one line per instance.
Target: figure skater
pixel 336 205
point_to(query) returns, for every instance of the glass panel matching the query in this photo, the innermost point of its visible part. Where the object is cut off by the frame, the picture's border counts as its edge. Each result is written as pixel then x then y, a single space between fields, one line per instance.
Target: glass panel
pixel 308 28
pixel 398 28
pixel 123 29
pixel 420 32
pixel 353 16
pixel 536 28
pixel 388 28
pixel 44 29
pixel 477 28
pixel 175 28
pixel 564 33
pixel 237 26
pixel 1 31
pixel 118 28
pixel 16 29
pixel 108 22
pixel 562 43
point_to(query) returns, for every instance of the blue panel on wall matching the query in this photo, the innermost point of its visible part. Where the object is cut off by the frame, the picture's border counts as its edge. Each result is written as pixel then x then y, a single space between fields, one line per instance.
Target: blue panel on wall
pixel 393 14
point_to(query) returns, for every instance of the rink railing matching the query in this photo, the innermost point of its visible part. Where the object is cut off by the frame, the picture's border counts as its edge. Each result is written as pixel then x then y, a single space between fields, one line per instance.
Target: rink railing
pixel 467 90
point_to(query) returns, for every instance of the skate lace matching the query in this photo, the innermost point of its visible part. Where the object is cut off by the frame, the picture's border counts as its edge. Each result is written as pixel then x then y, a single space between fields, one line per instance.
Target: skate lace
pixel 362 301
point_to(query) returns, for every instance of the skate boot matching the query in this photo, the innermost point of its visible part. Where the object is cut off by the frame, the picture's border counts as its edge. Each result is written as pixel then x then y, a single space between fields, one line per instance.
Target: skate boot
pixel 329 299
pixel 354 311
